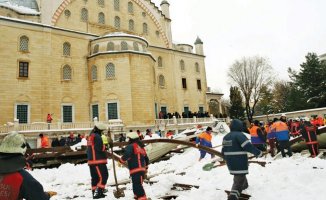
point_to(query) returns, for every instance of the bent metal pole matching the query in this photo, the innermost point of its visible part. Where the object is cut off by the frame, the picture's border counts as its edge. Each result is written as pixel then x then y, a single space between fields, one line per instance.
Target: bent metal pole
pixel 173 141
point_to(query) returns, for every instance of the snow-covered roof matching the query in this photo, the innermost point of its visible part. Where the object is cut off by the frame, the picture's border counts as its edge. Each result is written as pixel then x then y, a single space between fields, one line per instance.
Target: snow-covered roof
pixel 28 7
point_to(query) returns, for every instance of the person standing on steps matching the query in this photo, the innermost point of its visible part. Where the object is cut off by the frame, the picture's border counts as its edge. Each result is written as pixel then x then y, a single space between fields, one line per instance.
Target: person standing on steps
pixel 97 160
pixel 15 181
pixel 135 155
pixel 234 150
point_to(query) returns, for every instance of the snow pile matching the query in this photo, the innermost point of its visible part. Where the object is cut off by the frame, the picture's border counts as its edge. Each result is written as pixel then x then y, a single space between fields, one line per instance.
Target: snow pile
pixel 298 178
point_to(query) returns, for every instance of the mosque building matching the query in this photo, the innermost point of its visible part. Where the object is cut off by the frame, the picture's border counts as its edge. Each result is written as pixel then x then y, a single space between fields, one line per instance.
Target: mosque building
pixel 81 59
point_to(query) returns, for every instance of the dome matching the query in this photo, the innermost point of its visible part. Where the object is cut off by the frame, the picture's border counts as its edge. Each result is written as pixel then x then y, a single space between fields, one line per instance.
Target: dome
pixel 32 4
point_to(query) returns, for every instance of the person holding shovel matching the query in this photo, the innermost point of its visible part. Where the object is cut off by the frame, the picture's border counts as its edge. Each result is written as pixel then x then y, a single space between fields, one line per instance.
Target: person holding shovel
pixel 138 161
pixel 235 148
pixel 97 160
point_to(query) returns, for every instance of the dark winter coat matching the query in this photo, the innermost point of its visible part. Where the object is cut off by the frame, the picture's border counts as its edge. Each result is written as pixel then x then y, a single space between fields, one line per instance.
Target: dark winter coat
pixel 309 133
pixel 135 155
pixel 96 153
pixel 235 148
pixel 16 183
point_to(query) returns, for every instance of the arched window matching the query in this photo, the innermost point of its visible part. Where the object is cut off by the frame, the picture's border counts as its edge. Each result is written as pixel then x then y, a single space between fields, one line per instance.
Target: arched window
pixel 117 22
pixel 161 80
pixel 131 25
pixel 66 72
pixel 110 70
pixel 159 62
pixel 182 65
pixel 136 47
pixel 23 44
pixel 66 49
pixel 84 15
pixel 124 45
pixel 101 18
pixel 145 28
pixel 100 3
pixel 197 67
pixel 96 48
pixel 130 7
pixel 116 5
pixel 94 73
pixel 110 46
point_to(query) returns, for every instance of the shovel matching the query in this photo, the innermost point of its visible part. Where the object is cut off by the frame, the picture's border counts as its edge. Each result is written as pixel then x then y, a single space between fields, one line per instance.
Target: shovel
pixel 119 191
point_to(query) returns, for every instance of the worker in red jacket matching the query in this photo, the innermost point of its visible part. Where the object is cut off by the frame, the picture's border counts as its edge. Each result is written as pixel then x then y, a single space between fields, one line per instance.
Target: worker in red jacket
pixel 15 182
pixel 135 155
pixel 309 133
pixel 97 160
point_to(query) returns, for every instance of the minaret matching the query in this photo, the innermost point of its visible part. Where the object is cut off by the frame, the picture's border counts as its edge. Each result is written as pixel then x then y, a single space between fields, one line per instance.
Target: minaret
pixel 165 7
pixel 199 46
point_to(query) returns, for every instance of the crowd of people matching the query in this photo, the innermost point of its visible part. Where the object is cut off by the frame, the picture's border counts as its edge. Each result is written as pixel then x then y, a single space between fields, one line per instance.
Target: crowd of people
pixel 60 141
pixel 189 114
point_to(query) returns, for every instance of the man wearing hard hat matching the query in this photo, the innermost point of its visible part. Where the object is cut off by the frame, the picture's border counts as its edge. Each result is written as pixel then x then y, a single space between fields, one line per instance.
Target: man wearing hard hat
pixel 15 182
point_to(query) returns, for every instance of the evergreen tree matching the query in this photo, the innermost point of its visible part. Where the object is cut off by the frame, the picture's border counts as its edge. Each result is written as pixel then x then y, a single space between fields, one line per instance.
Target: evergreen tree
pixel 311 81
pixel 236 109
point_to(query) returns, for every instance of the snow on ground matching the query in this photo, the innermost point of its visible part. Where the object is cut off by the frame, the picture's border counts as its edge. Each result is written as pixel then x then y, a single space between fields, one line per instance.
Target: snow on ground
pixel 295 178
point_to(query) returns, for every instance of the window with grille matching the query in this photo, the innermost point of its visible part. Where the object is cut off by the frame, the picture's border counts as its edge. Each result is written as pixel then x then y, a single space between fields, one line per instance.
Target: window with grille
pixel 182 65
pixel 197 67
pixel 184 83
pixel 161 80
pixel 164 110
pixel 130 7
pixel 201 109
pixel 66 72
pixel 145 28
pixel 67 114
pixel 23 44
pixel 101 18
pixel 100 2
pixel 22 113
pixel 66 49
pixel 159 62
pixel 67 13
pixel 23 69
pixel 110 70
pixel 186 110
pixel 198 84
pixel 112 110
pixel 116 5
pixel 131 25
pixel 110 46
pixel 96 48
pixel 124 45
pixel 94 73
pixel 95 111
pixel 136 46
pixel 84 15
pixel 117 22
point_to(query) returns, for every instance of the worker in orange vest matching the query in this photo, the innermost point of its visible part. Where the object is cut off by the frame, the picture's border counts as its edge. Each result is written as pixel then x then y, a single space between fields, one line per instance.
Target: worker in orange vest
pixel 257 136
pixel 44 141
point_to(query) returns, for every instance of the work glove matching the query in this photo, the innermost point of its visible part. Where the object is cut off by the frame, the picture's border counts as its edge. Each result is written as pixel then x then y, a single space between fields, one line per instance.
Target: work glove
pixel 51 193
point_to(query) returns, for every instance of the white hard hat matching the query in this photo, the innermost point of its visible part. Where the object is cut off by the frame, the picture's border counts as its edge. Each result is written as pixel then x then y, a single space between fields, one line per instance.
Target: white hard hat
pixel 13 143
pixel 101 126
pixel 283 115
pixel 306 119
pixel 132 135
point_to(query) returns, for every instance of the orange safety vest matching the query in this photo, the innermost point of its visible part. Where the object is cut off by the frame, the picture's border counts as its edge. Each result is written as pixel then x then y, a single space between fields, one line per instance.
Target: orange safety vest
pixel 44 142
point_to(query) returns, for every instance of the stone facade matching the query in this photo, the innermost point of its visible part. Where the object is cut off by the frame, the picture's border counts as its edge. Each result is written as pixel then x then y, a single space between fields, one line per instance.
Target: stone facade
pixel 77 66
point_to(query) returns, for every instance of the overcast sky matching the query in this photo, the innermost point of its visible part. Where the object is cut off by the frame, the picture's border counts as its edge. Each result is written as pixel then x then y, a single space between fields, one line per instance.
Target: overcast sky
pixel 283 31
